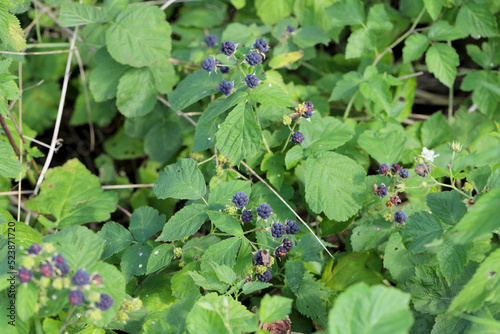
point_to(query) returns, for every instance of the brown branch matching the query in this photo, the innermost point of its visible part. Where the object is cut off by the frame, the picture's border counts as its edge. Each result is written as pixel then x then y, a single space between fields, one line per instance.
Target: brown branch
pixel 9 136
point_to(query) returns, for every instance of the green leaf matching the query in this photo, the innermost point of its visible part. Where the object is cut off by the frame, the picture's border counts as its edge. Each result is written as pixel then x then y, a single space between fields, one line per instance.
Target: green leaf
pixel 11 32
pixel 135 260
pixel 221 195
pixel 208 124
pixel 184 223
pixel 443 31
pixel 238 4
pixel 481 219
pixel 140 36
pixel 274 165
pixel 116 237
pixel 224 273
pixel 223 253
pixel 334 185
pixel 239 136
pixel 447 206
pixel 324 134
pixel 442 61
pixel 167 132
pixel 75 14
pixel 346 12
pixel 194 87
pixel 422 228
pixel 273 11
pixel 434 7
pixel 310 36
pixel 311 299
pixel 482 288
pixel 435 130
pixel 415 46
pixel 160 257
pixel 164 76
pixel 121 147
pixel 24 233
pixel 370 234
pixel 347 86
pixel 488 57
pixel 452 259
pixel 479 177
pixel 26 300
pixel 477 20
pixel 251 287
pixel 285 59
pixel 274 308
pixel 225 223
pixel 133 102
pixel 358 310
pixel 8 88
pixel 377 90
pixel 270 94
pixel 486 90
pixel 353 268
pixel 294 156
pixel 360 43
pixel 385 146
pixel 182 180
pixel 430 292
pixel 9 164
pixel 73 196
pixel 144 222
pixel 378 19
pixel 114 7
pixel 294 274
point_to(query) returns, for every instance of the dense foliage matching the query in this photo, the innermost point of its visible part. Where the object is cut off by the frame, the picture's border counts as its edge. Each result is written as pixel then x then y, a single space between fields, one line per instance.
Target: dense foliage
pixel 250 166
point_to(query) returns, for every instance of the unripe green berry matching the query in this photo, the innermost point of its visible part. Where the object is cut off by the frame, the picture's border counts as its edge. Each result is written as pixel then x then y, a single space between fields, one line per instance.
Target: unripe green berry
pixel 44 282
pixel 219 171
pixel 468 186
pixel 250 271
pixel 122 316
pixel 58 283
pixel 177 252
pixel 43 299
pixel 271 260
pixel 48 248
pixel 137 303
pixel 222 159
pixel 184 239
pixel 95 296
pixel 67 282
pixel 94 315
pixel 388 216
pixel 182 264
pixel 287 120
pixel 231 209
pixel 260 269
pixel 128 305
pixel 28 262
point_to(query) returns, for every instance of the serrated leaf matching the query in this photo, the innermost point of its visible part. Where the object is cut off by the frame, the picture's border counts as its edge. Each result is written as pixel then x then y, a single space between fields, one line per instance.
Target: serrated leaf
pixel 353 268
pixel 116 237
pixel 477 20
pixel 443 31
pixel 358 310
pixel 346 12
pixel 184 223
pixel 226 223
pixel 479 177
pixel 114 7
pixel 182 180
pixel 144 222
pixel 488 57
pixel 273 11
pixel 378 19
pixel 285 59
pixel 434 7
pixel 136 41
pixel 422 228
pixel 135 260
pixel 11 32
pixel 310 300
pixel 310 36
pixel 447 206
pixel 334 185
pixel 105 77
pixel 221 195
pixel 481 219
pixel 224 273
pixel 442 61
pixel 270 94
pixel 452 259
pixel 75 14
pixel 430 292
pixel 324 134
pixel 223 253
pixel 240 136
pixel 274 165
pixel 294 156
pixel 9 164
pixel 73 196
pixel 274 308
pixel 360 43
pixel 26 300
pixel 194 87
pixel 385 146
pixel 132 102
pixel 377 90
pixel 435 130
pixel 164 76
pixel 167 132
pixel 160 257
pixel 250 287
pixel 486 90
pixel 347 86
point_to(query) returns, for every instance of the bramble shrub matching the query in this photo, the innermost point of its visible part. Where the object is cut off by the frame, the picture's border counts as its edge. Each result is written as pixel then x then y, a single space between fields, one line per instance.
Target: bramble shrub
pixel 328 166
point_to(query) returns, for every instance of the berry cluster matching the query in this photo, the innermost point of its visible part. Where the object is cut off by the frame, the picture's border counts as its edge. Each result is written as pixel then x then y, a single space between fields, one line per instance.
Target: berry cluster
pixel 254 58
pixel 252 81
pixel 211 41
pixel 297 137
pixel 264 211
pixel 129 305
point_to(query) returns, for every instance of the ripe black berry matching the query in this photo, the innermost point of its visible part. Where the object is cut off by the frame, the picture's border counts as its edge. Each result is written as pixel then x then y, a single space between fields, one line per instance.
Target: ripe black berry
pixel 34 249
pixel 309 105
pixel 278 230
pixel 228 48
pixel 264 210
pixel 291 227
pixel 395 168
pixel 307 114
pixel 297 137
pixel 265 277
pixel 226 87
pixel 246 216
pixel 400 217
pixel 240 199
pixel 290 29
pixel 280 251
pixel 383 169
pixel 81 277
pixel 404 173
pixel 211 41
pixel 208 64
pixel 253 58
pixel 46 270
pixel 381 190
pixel 252 81
pixel 76 297
pixel 105 303
pixel 61 264
pixel 223 69
pixel 261 45
pixel 25 275
pixel 288 244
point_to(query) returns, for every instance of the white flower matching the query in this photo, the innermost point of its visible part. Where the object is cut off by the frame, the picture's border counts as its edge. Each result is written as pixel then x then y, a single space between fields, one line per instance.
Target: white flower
pixel 428 155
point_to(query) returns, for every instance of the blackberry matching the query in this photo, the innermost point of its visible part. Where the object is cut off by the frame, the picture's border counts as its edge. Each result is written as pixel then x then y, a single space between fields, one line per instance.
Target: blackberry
pixel 422 170
pixel 81 277
pixel 290 29
pixel 381 190
pixel 400 217
pixel 253 58
pixel 223 69
pixel 288 244
pixel 307 114
pixel 265 277
pixel 264 211
pixel 76 297
pixel 240 199
pixel 395 200
pixel 211 41
pixel 395 168
pixel 34 249
pixel 309 105
pixel 105 303
pixel 278 230
pixel 404 173
pixel 261 45
pixel 246 216
pixel 25 275
pixel 97 279
pixel 208 64
pixel 226 87
pixel 252 81
pixel 60 263
pixel 281 251
pixel 227 48
pixel 383 169
pixel 291 227
pixel 297 137
pixel 46 270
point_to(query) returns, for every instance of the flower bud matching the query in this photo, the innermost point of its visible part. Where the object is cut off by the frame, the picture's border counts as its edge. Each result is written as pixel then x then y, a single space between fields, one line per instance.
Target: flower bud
pixel 177 252
pixel 219 171
pixel 468 186
pixel 455 146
